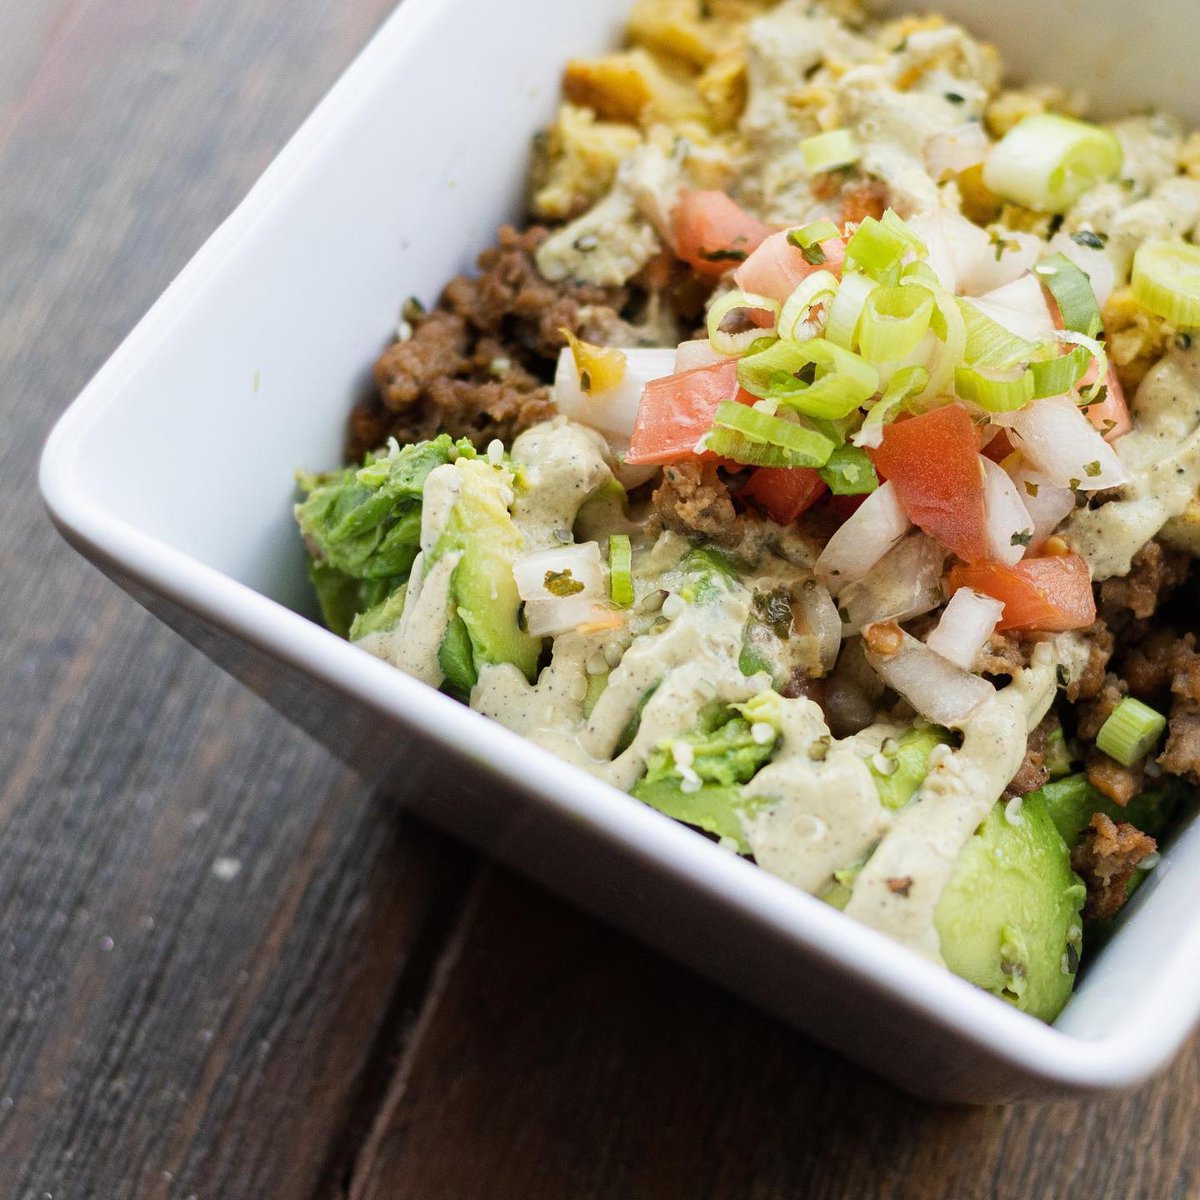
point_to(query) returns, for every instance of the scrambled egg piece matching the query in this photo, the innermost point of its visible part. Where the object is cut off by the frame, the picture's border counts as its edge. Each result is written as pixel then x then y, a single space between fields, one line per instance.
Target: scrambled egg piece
pixel 1137 339
pixel 578 160
pixel 633 86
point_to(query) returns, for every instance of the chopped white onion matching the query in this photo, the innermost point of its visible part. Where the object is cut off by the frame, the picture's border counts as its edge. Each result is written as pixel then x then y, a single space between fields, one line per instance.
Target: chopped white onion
pixel 1009 256
pixel 1048 504
pixel 965 626
pixel 1020 306
pixel 954 244
pixel 613 411
pixel 1095 264
pixel 905 583
pixel 1009 525
pixel 548 618
pixel 1056 437
pixel 699 353
pixel 578 566
pixel 936 688
pixel 820 615
pixel 954 150
pixel 866 536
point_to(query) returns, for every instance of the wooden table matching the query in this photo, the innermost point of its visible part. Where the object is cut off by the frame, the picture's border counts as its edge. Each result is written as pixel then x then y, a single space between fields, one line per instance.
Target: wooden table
pixel 228 970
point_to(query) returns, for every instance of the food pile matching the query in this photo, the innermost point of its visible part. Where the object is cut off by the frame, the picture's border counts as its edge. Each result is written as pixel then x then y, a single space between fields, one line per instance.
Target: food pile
pixel 822 470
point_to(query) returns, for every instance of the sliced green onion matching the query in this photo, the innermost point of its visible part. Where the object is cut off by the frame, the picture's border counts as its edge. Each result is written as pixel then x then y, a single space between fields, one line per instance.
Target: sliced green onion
pixel 850 472
pixel 1166 280
pixel 812 233
pixel 728 443
pixel 842 327
pixel 813 377
pixel 894 320
pixel 1131 731
pixel 827 151
pixel 1047 161
pixel 812 449
pixel 1057 376
pixel 795 321
pixel 922 273
pixel 950 328
pixel 1072 290
pixel 997 389
pixel 1095 352
pixel 902 387
pixel 620 569
pixel 989 344
pixel 876 249
pixel 892 220
pixel 735 301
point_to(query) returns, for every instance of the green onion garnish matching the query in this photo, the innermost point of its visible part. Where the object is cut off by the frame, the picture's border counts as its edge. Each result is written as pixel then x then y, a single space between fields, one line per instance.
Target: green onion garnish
pixel 1047 161
pixel 893 322
pixel 877 249
pixel 738 301
pixel 819 288
pixel 1072 290
pixel 812 233
pixel 850 472
pixel 989 344
pixel 1131 731
pixel 728 443
pixel 807 447
pixel 997 389
pixel 620 569
pixel 1057 376
pixel 902 387
pixel 827 151
pixel 812 377
pixel 842 327
pixel 1166 280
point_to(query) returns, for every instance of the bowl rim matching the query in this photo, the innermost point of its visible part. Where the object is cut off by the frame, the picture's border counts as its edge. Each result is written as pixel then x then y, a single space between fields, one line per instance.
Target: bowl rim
pixel 1137 1049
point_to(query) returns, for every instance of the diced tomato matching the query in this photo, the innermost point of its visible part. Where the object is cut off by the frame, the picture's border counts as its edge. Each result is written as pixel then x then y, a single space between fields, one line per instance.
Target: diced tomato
pixel 714 233
pixel 932 460
pixel 1111 416
pixel 784 492
pixel 1049 594
pixel 677 411
pixel 777 267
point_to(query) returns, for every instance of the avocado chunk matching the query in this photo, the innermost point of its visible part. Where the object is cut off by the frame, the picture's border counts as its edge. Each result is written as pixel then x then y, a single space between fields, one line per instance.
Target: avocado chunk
pixel 480 527
pixel 701 786
pixel 900 767
pixel 1072 801
pixel 1009 918
pixel 381 617
pixel 456 657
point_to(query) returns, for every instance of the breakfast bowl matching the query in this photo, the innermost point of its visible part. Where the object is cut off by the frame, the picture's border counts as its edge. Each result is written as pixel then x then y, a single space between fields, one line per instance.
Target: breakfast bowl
pixel 172 471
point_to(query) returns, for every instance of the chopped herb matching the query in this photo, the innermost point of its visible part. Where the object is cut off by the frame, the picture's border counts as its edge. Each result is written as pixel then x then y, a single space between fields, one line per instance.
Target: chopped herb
pixel 1072 961
pixel 807 373
pixel 1001 244
pixel 1031 488
pixel 955 97
pixel 1092 469
pixel 585 381
pixel 562 583
pixel 412 307
pixel 1073 484
pixel 1100 396
pixel 1023 538
pixel 717 256
pixel 1062 675
pixel 774 609
pixel 813 255
pixel 1109 426
pixel 1183 341
pixel 1090 239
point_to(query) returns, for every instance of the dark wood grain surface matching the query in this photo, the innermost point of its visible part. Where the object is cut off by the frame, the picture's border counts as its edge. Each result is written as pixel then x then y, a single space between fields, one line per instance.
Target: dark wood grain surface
pixel 227 970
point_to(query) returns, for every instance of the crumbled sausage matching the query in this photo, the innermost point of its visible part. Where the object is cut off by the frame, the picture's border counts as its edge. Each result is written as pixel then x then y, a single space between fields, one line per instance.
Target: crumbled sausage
pixel 479 366
pixel 1032 772
pixel 1004 654
pixel 1155 574
pixel 1118 782
pixel 1106 859
pixel 693 499
pixel 1100 649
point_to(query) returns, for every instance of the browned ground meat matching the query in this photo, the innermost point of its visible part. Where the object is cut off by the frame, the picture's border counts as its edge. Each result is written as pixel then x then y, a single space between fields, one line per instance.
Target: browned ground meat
pixel 1100 649
pixel 1119 783
pixel 1106 859
pixel 1032 773
pixel 479 366
pixel 1004 654
pixel 693 499
pixel 1091 714
pixel 1155 574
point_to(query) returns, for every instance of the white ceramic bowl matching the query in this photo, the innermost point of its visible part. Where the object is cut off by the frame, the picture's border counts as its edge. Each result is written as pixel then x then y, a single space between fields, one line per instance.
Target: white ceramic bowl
pixel 172 472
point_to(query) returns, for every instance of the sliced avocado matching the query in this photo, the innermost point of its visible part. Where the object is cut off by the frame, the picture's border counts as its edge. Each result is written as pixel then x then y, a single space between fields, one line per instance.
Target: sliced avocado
pixel 380 617
pixel 1009 918
pixel 713 808
pixel 456 657
pixel 595 689
pixel 1072 801
pixel 906 763
pixel 479 525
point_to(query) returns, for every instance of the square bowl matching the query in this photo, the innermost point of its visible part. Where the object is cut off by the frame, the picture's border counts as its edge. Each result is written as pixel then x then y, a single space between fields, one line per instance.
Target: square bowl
pixel 172 472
